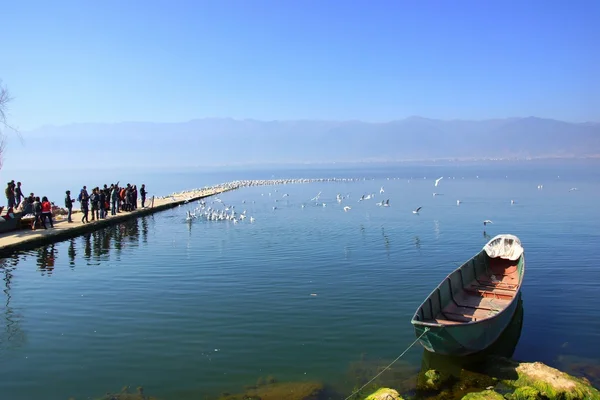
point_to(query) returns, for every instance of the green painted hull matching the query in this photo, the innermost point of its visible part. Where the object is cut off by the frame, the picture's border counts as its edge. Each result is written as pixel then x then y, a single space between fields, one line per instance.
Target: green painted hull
pixel 461 339
pixel 465 339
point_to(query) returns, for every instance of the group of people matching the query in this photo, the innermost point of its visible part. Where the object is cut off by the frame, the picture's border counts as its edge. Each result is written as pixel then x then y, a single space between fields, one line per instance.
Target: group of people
pixel 17 202
pixel 101 201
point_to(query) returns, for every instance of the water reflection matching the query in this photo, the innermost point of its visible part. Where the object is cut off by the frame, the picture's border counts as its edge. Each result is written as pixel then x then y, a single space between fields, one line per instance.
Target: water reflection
pixel 11 335
pixel 45 259
pixel 72 252
pixel 96 246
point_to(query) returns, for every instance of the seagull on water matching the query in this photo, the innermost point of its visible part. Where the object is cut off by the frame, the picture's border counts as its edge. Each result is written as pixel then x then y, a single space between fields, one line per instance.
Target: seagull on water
pixel 347 208
pixel 251 219
pixel 437 181
pixel 487 221
pixel 417 210
pixel 512 202
pixel 458 202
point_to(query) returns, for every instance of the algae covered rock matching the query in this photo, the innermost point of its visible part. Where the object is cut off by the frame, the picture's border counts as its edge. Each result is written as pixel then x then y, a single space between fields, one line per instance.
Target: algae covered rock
pixel 526 393
pixel 432 380
pixel 550 382
pixel 485 395
pixel 553 383
pixel 385 394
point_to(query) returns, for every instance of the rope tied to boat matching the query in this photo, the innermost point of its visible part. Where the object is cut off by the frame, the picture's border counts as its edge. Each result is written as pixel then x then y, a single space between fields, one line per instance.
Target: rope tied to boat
pixel 389 365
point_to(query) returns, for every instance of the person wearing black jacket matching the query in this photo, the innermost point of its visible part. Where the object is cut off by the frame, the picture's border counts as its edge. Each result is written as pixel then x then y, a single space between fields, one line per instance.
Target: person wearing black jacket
pixel 143 194
pixel 69 205
pixel 102 203
pixel 94 200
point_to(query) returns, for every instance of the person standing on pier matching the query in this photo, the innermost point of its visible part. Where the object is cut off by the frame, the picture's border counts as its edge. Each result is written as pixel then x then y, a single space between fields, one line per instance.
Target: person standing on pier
pixel 84 207
pixel 10 195
pixel 37 214
pixel 69 206
pixel 47 212
pixel 102 203
pixel 18 194
pixel 94 203
pixel 143 194
pixel 114 201
pixel 134 194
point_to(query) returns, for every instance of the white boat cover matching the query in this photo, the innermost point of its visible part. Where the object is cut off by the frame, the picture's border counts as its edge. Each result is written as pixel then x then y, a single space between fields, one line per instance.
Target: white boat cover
pixel 504 246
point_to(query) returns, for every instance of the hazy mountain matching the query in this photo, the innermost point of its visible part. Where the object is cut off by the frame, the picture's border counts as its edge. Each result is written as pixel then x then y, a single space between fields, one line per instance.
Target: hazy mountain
pixel 227 141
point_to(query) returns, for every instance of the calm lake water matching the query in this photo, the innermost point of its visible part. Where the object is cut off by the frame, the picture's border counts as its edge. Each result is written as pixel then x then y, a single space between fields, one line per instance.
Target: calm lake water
pixel 193 310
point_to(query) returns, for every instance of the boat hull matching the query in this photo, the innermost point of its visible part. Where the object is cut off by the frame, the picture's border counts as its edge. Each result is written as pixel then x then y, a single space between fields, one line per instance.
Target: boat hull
pixel 465 339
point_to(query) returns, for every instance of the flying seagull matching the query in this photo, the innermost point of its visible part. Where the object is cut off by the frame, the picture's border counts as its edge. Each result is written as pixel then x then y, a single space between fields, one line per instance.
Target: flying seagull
pixel 381 190
pixel 417 210
pixel 347 208
pixel 387 203
pixel 487 221
pixel 437 181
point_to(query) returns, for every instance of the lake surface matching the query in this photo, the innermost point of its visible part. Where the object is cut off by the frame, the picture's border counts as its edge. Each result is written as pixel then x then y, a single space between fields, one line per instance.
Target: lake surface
pixel 191 310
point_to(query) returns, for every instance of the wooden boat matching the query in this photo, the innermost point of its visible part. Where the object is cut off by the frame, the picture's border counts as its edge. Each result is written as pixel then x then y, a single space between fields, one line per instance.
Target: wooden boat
pixel 473 305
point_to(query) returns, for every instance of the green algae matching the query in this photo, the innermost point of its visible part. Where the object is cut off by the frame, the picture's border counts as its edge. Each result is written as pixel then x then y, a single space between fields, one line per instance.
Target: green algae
pixel 485 395
pixel 526 393
pixel 550 382
pixel 280 391
pixel 384 394
pixel 127 394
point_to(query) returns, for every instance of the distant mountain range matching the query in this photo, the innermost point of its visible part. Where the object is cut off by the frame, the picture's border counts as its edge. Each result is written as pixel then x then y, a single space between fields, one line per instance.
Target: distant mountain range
pixel 212 141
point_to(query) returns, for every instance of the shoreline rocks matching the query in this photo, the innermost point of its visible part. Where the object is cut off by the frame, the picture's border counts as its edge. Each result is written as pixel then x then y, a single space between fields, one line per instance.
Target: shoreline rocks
pixel 501 379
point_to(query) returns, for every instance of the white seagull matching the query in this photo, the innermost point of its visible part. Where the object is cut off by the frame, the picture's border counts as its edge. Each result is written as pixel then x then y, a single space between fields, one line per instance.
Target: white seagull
pixel 417 210
pixel 437 181
pixel 487 221
pixel 381 190
pixel 458 202
pixel 347 208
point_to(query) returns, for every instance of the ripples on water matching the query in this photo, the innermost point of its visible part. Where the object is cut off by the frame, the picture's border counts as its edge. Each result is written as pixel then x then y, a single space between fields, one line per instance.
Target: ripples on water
pixel 190 310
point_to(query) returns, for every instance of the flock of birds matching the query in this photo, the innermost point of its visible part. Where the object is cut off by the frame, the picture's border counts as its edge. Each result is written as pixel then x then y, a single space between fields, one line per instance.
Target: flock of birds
pixel 219 211
pixel 210 213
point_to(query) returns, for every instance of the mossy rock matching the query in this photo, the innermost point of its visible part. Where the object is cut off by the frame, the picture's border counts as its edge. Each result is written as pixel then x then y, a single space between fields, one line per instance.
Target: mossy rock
pixel 469 379
pixel 126 394
pixel 553 383
pixel 385 394
pixel 485 395
pixel 432 380
pixel 526 393
pixel 549 381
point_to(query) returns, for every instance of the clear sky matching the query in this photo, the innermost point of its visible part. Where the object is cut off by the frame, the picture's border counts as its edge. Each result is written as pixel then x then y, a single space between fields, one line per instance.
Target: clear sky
pixel 115 60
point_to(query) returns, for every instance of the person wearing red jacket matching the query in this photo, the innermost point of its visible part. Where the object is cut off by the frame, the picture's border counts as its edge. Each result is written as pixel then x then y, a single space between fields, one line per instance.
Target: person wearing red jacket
pixel 47 211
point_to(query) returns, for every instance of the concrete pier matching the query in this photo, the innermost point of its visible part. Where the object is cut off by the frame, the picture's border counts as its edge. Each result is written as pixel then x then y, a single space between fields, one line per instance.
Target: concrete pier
pixel 25 239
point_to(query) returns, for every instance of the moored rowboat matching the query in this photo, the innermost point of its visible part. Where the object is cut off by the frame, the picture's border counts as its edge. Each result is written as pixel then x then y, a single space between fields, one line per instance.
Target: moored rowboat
pixel 473 305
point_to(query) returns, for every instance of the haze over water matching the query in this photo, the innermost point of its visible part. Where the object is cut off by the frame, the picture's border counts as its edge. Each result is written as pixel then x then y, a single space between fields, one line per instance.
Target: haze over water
pixel 192 310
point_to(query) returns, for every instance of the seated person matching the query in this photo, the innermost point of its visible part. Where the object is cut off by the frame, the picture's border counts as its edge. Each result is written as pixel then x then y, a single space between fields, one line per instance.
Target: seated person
pixel 26 207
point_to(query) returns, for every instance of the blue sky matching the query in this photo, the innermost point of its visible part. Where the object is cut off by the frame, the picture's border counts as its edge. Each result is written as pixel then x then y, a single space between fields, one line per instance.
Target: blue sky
pixel 111 61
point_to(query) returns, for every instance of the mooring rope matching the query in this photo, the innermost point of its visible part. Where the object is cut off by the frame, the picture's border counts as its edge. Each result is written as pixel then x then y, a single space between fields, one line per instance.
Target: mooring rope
pixel 389 365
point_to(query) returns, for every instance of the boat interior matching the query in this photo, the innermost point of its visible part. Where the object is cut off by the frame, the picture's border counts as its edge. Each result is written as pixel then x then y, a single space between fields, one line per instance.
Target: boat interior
pixel 478 290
